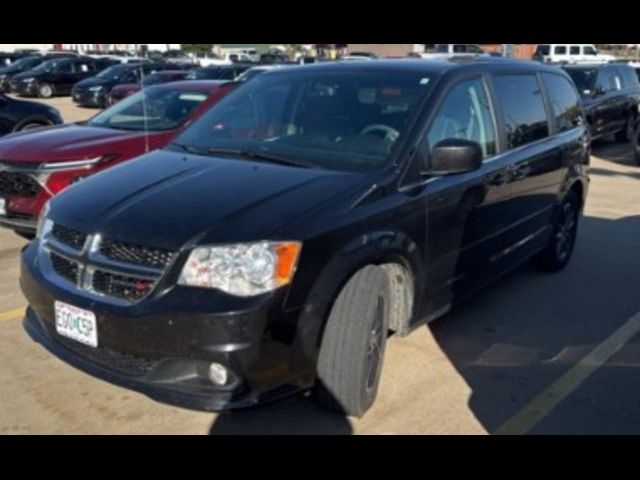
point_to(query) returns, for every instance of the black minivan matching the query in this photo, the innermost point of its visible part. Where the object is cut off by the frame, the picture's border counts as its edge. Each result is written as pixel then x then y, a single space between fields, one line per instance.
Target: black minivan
pixel 275 244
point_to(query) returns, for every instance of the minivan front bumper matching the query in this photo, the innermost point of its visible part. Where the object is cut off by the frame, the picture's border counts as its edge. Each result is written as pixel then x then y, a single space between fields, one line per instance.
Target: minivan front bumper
pixel 163 347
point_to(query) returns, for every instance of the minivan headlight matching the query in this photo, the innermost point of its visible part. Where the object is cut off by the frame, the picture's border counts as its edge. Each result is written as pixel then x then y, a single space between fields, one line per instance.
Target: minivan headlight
pixel 243 270
pixel 44 224
pixel 96 89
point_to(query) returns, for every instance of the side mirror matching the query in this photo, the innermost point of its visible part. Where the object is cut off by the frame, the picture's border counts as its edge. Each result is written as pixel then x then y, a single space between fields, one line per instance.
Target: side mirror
pixel 455 155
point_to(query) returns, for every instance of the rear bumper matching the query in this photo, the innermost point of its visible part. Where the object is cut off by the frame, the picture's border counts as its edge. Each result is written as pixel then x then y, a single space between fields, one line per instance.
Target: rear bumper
pixel 21 225
pixel 88 99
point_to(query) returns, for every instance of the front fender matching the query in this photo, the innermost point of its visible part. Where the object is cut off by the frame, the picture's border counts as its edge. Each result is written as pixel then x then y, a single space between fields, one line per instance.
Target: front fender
pixel 315 293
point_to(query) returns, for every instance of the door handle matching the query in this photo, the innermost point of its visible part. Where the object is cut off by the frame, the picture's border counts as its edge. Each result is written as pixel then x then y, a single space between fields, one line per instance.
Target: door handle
pixel 501 178
pixel 521 172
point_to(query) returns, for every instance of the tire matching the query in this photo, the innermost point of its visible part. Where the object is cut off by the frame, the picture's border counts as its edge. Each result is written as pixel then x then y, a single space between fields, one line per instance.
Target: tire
pixel 626 134
pixel 558 253
pixel 30 126
pixel 45 90
pixel 635 142
pixel 353 345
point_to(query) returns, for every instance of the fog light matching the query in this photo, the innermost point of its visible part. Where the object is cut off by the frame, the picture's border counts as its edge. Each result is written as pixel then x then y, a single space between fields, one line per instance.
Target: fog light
pixel 218 374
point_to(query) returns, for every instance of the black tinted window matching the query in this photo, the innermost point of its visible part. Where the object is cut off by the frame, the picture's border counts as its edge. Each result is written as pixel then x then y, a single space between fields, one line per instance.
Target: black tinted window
pixel 66 67
pixel 565 103
pixel 522 105
pixel 629 76
pixel 575 50
pixel 608 80
pixel 560 50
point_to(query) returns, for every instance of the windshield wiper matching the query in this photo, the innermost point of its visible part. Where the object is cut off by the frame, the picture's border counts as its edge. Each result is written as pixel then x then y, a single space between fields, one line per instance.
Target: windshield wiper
pixel 188 148
pixel 259 155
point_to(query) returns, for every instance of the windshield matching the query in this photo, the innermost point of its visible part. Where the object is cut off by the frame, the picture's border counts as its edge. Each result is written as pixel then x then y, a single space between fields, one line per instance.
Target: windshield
pixel 114 73
pixel 151 109
pixel 204 74
pixel 23 64
pixel 345 120
pixel 48 66
pixel 585 79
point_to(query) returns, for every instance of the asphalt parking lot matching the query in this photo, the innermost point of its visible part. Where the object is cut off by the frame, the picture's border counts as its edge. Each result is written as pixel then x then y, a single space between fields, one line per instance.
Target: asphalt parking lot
pixel 536 353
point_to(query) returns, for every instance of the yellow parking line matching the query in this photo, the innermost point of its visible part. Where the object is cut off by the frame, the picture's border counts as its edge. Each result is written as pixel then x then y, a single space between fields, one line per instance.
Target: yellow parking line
pixel 13 314
pixel 546 401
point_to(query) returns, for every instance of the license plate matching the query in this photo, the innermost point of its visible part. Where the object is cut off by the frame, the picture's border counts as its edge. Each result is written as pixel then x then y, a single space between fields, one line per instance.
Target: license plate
pixel 76 324
pixel 3 206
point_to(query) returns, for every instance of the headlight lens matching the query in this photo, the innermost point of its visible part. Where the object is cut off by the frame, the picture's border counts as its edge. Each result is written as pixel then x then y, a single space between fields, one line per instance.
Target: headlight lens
pixel 28 80
pixel 95 89
pixel 44 224
pixel 244 270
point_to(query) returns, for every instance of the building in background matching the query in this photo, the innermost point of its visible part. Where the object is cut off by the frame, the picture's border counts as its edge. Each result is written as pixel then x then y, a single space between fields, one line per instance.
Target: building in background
pixel 518 50
pixel 84 47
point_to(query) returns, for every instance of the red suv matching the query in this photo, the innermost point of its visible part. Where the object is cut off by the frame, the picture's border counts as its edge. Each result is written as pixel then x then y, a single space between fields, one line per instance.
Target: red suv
pixel 37 165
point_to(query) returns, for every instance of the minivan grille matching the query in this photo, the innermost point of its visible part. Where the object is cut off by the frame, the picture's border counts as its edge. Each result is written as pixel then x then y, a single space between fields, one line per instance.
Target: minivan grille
pixel 121 286
pixel 115 269
pixel 149 257
pixel 65 268
pixel 18 184
pixel 120 362
pixel 69 236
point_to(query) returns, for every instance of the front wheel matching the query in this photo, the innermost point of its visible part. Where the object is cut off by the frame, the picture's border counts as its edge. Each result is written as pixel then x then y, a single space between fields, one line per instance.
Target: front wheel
pixel 565 229
pixel 626 134
pixel 45 90
pixel 353 344
pixel 635 142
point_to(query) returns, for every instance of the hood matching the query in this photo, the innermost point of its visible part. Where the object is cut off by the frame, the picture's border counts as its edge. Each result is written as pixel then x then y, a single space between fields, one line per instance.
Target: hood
pixel 29 74
pixel 167 200
pixel 95 82
pixel 72 142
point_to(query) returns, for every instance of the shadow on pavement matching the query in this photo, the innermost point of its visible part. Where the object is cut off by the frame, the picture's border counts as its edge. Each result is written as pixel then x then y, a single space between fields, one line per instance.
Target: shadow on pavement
pixel 611 151
pixel 519 336
pixel 293 416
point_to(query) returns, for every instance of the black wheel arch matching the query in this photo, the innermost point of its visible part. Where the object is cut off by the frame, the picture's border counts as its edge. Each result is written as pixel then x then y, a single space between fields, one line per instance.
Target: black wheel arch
pixel 39 119
pixel 394 252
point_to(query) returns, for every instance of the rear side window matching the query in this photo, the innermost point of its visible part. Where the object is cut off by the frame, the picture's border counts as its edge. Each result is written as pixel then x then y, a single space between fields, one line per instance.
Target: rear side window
pixel 609 80
pixel 466 113
pixel 560 50
pixel 565 103
pixel 66 67
pixel 574 50
pixel 522 106
pixel 629 76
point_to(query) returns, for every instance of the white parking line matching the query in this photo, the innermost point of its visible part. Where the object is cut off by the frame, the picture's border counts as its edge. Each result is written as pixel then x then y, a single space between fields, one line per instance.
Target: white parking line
pixel 529 416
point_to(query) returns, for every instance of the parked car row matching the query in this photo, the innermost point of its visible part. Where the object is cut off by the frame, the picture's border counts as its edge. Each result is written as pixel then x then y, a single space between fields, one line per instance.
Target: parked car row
pixel 273 232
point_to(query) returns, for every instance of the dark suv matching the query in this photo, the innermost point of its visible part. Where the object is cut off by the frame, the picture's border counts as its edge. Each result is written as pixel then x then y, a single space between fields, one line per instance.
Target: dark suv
pixel 611 98
pixel 55 77
pixel 94 91
pixel 273 246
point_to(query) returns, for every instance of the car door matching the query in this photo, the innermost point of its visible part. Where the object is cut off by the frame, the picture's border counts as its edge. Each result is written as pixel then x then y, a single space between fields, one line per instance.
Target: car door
pixel 467 213
pixel 535 158
pixel 605 115
pixel 619 104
